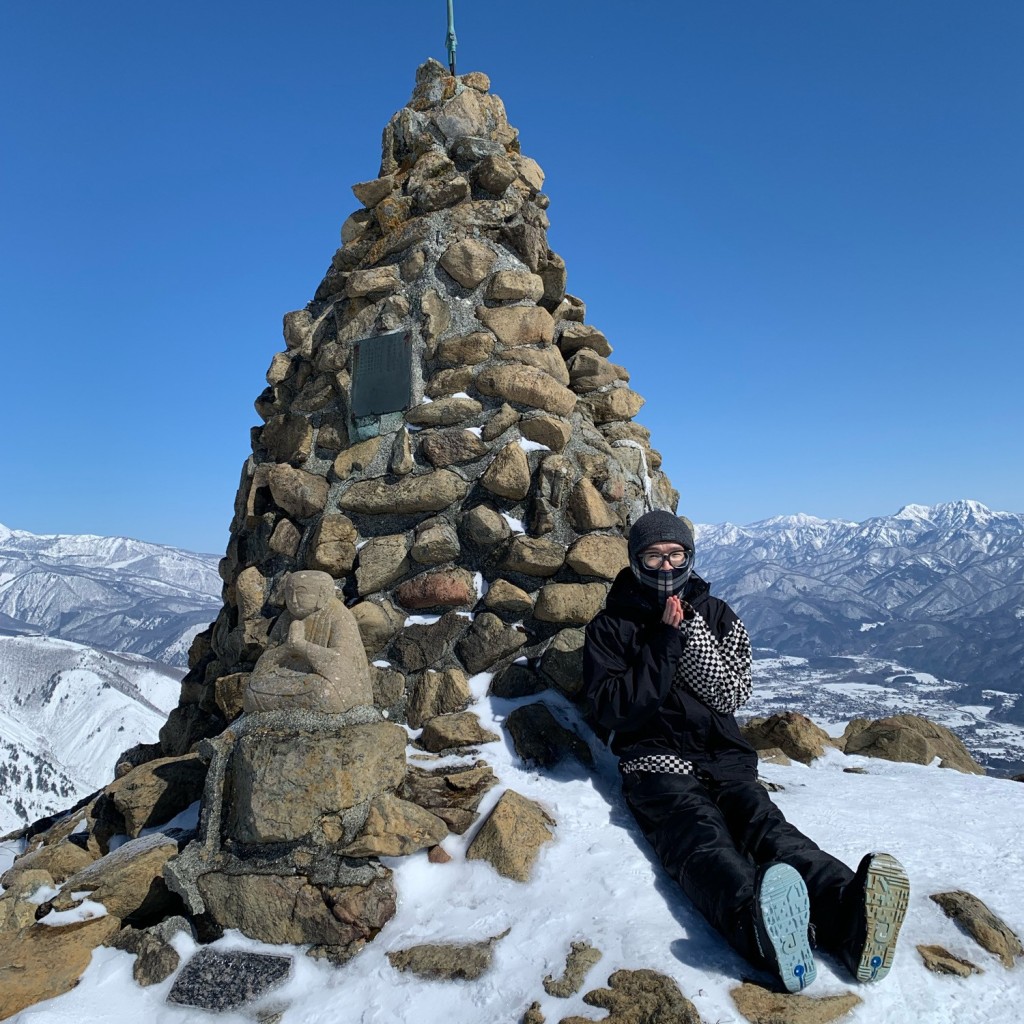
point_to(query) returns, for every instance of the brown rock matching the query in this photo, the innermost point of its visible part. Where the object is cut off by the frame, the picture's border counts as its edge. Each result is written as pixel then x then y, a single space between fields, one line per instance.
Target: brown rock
pixel 575 336
pixel 412 266
pixel 424 645
pixel 464 114
pixel 468 261
pixel 534 556
pixel 988 930
pixel 515 286
pixel 370 193
pixel 357 458
pixel 795 734
pixel 533 1014
pixel 529 171
pixel 762 1006
pixel 128 881
pixel 466 349
pixel 588 371
pixel 570 603
pixel 378 623
pixel 527 386
pixel 511 837
pixel 508 475
pixel 570 308
pixel 40 962
pixel 488 641
pixel 430 492
pixel 444 412
pixel 518 325
pixel 640 997
pixel 156 791
pixel 495 173
pixel 388 686
pixel 450 382
pixel 438 855
pixel 485 527
pixel 435 542
pixel 503 596
pixel 464 962
pixel 551 431
pixel 909 738
pixel 544 357
pixel 333 546
pixel 438 315
pixel 396 828
pixel 776 755
pixel 250 592
pixel 284 783
pixel 59 860
pixel 382 560
pixel 291 910
pixel 504 418
pixel 539 738
pixel 452 446
pixel 299 493
pixel 445 588
pixel 374 283
pixel 288 438
pixel 582 956
pixel 438 693
pixel 588 510
pixel 562 662
pixel 615 404
pixel 517 680
pixel 477 80
pixel 401 462
pixel 598 555
pixel 285 539
pixel 449 790
pixel 939 960
pixel 462 729
pixel 229 692
pixel 441 192
pixel 392 213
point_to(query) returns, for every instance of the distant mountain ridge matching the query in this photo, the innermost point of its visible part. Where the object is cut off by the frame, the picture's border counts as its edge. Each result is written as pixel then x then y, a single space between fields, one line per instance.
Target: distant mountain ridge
pixel 113 593
pixel 938 588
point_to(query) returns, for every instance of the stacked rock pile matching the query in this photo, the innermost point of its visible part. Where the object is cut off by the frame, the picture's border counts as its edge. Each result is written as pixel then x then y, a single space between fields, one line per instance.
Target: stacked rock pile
pixel 483 522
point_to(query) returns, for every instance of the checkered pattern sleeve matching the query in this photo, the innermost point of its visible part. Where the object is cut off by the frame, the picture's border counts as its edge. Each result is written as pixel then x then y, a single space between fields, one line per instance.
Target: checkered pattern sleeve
pixel 719 673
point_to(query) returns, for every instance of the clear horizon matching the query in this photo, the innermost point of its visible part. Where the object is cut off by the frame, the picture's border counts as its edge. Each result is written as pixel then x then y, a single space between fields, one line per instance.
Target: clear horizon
pixel 799 225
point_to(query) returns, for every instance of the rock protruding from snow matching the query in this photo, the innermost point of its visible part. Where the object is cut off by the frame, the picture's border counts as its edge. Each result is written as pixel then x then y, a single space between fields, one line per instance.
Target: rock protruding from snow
pixel 985 927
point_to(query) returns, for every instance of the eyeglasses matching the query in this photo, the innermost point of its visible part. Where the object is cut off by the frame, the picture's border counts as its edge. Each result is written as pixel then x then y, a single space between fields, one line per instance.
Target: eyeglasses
pixel 655 560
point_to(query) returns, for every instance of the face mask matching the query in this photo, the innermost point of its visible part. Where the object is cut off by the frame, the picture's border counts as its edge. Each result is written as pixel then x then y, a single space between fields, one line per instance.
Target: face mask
pixel 666 581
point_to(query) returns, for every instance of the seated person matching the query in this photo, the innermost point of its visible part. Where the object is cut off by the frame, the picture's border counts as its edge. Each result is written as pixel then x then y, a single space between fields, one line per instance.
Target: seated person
pixel 666 665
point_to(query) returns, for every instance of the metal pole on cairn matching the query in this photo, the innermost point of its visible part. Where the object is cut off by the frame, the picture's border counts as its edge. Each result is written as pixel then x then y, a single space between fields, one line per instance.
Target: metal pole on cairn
pixel 451 42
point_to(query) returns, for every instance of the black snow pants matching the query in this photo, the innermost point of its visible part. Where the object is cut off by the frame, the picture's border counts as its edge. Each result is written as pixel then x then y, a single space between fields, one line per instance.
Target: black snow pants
pixel 712 837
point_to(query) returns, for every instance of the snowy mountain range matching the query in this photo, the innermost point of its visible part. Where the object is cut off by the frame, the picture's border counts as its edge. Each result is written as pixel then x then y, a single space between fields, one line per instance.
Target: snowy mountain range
pixel 94 637
pixel 112 593
pixel 934 589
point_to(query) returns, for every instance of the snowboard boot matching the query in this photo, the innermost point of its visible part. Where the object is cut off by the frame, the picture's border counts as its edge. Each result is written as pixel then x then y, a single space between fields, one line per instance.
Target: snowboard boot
pixel 782 913
pixel 883 889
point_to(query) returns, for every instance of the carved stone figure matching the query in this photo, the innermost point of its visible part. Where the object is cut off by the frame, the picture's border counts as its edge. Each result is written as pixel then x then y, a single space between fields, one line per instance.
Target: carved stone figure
pixel 318 663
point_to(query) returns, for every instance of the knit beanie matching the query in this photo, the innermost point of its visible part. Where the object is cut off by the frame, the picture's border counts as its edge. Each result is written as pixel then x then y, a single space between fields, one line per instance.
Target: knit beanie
pixel 657 526
pixel 654 528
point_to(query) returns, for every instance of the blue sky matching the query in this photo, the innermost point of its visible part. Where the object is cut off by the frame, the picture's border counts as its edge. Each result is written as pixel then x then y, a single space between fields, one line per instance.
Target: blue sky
pixel 799 222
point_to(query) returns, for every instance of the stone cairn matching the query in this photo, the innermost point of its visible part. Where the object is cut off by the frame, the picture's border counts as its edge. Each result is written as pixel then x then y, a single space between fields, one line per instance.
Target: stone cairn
pixel 469 521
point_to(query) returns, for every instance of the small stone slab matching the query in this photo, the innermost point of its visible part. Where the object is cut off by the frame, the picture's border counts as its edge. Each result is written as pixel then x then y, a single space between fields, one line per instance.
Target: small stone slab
pixel 640 997
pixel 437 961
pixel 582 956
pixel 224 981
pixel 939 960
pixel 511 838
pixel 762 1006
pixel 540 738
pixel 988 930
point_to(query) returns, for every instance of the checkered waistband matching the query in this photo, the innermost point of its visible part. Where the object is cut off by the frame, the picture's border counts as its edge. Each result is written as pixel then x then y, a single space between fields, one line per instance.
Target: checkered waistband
pixel 665 763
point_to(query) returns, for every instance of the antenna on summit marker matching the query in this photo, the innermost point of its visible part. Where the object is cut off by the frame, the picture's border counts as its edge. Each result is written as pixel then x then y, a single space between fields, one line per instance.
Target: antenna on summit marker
pixel 450 41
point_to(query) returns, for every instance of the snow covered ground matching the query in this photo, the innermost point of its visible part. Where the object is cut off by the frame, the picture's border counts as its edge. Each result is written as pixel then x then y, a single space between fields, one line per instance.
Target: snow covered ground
pixel 596 881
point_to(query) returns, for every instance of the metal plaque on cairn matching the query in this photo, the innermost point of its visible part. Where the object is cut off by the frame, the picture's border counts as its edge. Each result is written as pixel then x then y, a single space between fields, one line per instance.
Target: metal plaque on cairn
pixel 381 375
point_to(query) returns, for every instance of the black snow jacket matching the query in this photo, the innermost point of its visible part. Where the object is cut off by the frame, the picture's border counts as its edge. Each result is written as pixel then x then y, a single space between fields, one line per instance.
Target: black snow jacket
pixel 662 690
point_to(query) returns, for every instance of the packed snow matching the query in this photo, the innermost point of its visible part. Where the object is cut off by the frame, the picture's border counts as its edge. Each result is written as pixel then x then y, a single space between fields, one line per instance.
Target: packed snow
pixel 597 881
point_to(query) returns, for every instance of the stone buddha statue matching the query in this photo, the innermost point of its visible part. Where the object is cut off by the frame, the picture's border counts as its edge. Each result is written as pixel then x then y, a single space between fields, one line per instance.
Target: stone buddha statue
pixel 317 661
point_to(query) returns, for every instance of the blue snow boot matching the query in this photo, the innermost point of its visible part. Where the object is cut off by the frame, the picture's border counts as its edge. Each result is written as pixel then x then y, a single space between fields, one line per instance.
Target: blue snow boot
pixel 782 912
pixel 883 889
